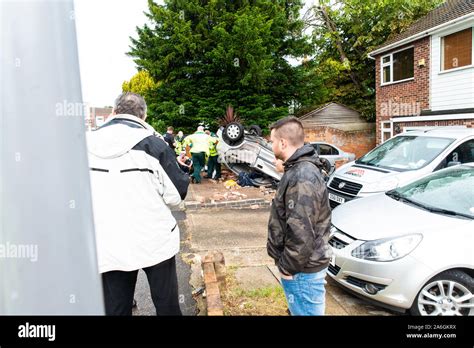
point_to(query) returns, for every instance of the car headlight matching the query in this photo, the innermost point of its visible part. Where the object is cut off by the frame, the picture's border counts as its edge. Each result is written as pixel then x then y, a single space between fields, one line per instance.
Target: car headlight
pixel 381 186
pixel 391 249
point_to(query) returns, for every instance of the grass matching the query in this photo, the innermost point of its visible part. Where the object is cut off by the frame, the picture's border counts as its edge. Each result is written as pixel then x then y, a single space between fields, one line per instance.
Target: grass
pixel 269 300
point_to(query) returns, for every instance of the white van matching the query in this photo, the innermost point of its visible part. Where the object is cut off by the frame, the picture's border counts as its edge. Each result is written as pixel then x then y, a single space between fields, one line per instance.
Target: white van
pixel 400 160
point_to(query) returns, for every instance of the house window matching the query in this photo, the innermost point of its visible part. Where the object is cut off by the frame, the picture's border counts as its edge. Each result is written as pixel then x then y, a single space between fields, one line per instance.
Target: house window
pixel 386 131
pixel 456 50
pixel 398 66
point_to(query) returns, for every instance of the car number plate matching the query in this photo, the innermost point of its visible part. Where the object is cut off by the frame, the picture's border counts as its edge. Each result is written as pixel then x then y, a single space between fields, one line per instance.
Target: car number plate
pixel 336 198
pixel 333 260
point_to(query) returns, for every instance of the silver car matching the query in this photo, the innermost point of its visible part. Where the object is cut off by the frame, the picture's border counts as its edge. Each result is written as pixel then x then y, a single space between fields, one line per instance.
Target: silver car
pixel 246 151
pixel 332 153
pixel 411 248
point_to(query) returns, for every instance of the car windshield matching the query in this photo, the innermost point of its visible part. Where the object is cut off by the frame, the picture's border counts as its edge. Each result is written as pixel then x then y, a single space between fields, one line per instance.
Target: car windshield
pixel 448 192
pixel 407 152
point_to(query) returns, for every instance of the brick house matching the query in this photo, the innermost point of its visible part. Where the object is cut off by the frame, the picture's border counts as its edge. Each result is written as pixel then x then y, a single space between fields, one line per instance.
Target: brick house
pixel 97 117
pixel 425 75
pixel 340 125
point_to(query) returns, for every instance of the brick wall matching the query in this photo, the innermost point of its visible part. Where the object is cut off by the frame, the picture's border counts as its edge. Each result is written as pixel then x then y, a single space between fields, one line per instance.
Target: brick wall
pixel 358 142
pixel 415 92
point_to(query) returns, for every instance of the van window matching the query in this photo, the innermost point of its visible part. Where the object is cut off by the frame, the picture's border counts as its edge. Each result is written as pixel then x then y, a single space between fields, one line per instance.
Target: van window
pixel 464 153
pixel 406 152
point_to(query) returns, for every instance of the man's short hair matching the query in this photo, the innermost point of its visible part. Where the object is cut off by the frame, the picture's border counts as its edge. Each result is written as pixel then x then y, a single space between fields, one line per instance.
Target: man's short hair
pixel 289 128
pixel 170 128
pixel 131 104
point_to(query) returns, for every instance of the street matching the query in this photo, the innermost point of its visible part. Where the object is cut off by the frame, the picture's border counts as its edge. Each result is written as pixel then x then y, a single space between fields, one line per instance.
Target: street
pixel 142 291
pixel 241 235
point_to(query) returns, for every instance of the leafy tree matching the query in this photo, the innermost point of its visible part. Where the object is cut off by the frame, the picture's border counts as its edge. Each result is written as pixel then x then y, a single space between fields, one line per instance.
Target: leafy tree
pixel 344 32
pixel 209 54
pixel 141 83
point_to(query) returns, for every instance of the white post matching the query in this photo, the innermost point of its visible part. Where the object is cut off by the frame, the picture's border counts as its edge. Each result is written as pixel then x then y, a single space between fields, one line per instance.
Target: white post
pixel 47 245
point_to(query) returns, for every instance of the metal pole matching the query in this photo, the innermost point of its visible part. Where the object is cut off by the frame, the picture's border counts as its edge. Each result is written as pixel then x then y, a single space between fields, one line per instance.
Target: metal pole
pixel 47 245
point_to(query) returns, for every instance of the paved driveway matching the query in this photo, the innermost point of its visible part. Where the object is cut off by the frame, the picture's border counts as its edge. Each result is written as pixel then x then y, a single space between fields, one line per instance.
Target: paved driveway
pixel 241 235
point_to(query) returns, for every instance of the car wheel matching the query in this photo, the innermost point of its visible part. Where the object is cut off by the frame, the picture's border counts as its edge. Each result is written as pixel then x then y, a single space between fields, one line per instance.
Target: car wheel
pixel 448 293
pixel 326 165
pixel 233 133
pixel 255 130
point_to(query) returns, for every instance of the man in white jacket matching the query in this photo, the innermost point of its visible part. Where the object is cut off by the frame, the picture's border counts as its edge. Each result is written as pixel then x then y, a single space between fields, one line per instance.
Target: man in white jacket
pixel 135 178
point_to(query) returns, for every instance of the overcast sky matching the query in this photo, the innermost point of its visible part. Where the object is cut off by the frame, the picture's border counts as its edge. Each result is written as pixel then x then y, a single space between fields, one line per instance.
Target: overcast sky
pixel 103 31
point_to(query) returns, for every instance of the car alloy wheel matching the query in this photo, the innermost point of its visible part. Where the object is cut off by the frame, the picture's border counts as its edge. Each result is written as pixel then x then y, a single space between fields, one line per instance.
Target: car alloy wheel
pixel 233 134
pixel 445 297
pixel 233 131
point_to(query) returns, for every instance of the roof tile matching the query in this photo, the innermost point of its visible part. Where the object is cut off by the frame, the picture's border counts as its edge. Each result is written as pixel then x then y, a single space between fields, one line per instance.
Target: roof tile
pixel 446 12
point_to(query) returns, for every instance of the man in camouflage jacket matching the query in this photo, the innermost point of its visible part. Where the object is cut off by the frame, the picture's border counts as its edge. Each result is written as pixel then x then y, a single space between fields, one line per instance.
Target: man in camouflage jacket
pixel 300 220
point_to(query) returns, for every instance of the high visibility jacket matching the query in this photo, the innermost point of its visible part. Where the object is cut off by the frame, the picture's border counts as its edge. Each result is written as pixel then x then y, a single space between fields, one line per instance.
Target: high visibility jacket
pixel 213 146
pixel 199 142
pixel 179 145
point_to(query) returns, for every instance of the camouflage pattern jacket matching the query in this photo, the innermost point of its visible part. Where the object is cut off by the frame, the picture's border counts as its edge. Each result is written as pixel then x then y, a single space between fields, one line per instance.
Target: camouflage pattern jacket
pixel 300 218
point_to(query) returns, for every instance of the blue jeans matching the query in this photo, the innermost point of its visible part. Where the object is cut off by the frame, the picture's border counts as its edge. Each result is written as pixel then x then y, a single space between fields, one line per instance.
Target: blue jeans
pixel 305 293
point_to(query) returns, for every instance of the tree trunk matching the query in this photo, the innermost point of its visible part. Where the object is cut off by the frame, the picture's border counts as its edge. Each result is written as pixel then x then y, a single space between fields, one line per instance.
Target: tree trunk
pixel 332 28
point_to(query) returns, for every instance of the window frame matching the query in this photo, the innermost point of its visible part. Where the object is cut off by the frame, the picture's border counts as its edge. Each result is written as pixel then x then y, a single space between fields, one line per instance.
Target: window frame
pixel 334 151
pixel 444 162
pixel 386 130
pixel 390 64
pixel 441 54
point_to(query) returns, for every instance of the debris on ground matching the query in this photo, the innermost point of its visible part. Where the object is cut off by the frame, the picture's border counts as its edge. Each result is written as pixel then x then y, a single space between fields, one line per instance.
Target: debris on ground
pixel 231 196
pixel 218 197
pixel 238 194
pixel 229 190
pixel 230 183
pixel 198 291
pixel 228 175
pixel 200 199
pixel 266 190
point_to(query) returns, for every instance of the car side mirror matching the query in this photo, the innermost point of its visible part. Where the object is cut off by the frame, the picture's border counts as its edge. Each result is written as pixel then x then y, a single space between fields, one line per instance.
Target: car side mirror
pixel 453 163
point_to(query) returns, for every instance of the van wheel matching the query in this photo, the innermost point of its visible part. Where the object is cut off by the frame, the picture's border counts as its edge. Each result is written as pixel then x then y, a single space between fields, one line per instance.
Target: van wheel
pixel 448 293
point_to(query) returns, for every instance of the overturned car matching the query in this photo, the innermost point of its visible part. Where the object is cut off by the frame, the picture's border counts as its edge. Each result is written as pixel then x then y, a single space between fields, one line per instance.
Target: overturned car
pixel 250 156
